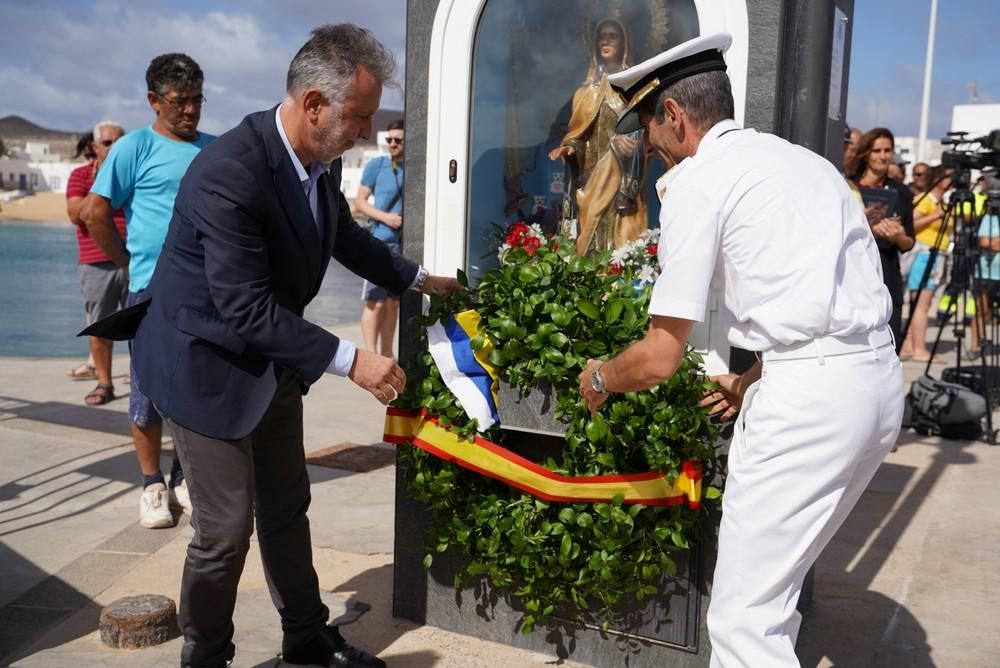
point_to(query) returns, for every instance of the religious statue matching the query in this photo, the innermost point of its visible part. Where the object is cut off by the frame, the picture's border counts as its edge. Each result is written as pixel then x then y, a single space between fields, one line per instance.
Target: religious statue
pixel 606 170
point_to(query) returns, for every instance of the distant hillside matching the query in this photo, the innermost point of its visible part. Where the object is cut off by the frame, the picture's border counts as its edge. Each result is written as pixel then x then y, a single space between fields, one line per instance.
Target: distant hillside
pixel 17 129
pixel 16 132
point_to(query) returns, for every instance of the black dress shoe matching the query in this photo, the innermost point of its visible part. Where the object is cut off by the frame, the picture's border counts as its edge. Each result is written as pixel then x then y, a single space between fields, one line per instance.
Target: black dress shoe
pixel 330 650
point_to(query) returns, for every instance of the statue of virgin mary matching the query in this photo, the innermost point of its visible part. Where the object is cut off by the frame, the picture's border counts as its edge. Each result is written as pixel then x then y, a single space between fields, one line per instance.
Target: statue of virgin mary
pixel 606 170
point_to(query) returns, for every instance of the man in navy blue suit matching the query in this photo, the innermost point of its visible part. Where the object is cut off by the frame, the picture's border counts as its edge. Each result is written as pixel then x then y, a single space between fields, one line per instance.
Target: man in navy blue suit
pixel 225 354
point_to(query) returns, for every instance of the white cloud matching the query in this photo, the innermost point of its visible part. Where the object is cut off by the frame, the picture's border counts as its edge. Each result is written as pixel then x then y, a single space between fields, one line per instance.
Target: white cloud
pixel 77 65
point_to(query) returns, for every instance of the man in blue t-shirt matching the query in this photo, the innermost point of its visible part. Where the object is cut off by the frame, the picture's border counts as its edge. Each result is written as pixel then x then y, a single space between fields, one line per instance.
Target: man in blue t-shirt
pixel 383 178
pixel 141 175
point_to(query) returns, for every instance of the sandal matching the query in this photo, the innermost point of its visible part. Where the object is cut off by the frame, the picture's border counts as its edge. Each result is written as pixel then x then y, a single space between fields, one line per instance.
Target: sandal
pixel 83 372
pixel 100 395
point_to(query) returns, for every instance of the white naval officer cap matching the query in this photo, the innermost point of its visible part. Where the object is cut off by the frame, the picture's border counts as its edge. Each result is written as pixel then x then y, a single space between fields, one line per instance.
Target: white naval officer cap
pixel 701 54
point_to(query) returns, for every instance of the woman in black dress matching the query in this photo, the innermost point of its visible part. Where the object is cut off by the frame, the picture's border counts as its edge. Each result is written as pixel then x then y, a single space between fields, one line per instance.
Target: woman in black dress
pixel 889 207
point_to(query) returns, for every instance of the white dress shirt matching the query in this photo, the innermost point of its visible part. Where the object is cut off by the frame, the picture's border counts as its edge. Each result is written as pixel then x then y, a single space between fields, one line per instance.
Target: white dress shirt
pixel 774 229
pixel 343 359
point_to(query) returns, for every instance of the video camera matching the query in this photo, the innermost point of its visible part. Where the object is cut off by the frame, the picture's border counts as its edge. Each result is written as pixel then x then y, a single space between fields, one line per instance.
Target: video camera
pixel 975 153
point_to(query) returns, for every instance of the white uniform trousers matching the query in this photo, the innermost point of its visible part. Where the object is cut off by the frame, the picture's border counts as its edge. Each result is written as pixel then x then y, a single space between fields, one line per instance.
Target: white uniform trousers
pixel 812 432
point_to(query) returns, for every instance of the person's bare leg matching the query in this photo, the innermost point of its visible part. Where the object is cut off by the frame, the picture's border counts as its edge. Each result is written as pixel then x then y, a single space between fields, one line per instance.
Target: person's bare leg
pixel 148 443
pixel 978 329
pixel 906 350
pixel 369 326
pixel 918 326
pixel 100 353
pixel 387 327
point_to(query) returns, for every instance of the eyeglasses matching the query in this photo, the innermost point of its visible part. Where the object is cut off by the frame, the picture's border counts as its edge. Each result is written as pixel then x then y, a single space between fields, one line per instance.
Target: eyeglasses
pixel 394 140
pixel 182 103
pixel 106 142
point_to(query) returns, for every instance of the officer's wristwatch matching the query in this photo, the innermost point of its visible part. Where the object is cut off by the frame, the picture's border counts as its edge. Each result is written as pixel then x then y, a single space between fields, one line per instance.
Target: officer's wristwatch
pixel 421 278
pixel 596 381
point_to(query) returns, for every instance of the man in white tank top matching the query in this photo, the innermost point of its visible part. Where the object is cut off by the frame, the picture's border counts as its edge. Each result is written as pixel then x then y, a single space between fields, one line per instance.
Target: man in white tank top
pixel 774 231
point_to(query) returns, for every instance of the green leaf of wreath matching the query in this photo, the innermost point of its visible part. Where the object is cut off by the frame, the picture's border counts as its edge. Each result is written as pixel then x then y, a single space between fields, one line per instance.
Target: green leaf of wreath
pixel 588 308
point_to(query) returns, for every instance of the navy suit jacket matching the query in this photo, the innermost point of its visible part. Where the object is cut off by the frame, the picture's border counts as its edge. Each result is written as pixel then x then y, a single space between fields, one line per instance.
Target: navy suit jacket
pixel 242 258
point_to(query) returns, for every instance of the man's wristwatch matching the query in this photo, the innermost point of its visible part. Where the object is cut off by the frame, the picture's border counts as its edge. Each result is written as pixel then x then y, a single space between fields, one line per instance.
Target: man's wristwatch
pixel 596 381
pixel 421 278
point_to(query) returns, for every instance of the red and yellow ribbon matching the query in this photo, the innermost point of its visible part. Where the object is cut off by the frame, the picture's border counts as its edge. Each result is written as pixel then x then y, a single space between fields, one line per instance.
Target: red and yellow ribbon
pixel 487 458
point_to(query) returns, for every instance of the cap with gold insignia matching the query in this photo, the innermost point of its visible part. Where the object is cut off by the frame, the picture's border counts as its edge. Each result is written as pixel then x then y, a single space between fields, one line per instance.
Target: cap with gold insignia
pixel 701 54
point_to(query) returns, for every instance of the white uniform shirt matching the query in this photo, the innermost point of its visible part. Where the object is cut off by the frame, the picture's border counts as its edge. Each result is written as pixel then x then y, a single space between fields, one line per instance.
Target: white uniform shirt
pixel 775 230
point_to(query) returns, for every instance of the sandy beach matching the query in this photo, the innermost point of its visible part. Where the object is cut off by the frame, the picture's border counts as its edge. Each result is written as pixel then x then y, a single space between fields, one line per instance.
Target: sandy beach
pixel 43 207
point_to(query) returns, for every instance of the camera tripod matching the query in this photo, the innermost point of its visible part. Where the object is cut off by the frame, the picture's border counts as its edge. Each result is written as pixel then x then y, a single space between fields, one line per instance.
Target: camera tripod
pixel 970 266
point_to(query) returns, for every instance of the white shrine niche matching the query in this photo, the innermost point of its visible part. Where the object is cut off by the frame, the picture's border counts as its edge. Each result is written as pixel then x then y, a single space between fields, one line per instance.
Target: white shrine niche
pixel 501 77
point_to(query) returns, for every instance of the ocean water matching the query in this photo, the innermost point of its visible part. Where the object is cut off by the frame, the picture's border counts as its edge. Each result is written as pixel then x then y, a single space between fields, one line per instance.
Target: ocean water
pixel 40 305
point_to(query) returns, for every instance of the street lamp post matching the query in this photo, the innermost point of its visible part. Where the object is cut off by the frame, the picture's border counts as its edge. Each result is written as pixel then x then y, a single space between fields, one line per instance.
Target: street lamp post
pixel 926 102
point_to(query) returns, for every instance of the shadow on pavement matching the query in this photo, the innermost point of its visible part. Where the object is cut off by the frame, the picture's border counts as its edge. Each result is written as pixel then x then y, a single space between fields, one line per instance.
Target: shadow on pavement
pixel 95 484
pixel 78 416
pixel 38 610
pixel 425 659
pixel 851 625
pixel 379 629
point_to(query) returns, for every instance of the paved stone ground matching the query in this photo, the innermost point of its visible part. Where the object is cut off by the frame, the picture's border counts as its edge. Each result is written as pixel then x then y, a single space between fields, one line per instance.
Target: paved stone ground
pixel 910 580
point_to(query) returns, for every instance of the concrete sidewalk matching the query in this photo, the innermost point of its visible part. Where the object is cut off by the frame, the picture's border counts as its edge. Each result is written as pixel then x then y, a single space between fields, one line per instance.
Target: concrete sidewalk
pixel 908 581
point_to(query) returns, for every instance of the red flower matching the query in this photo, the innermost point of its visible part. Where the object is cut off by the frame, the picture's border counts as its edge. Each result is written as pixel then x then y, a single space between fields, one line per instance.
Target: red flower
pixel 555 245
pixel 516 233
pixel 615 268
pixel 532 244
pixel 653 249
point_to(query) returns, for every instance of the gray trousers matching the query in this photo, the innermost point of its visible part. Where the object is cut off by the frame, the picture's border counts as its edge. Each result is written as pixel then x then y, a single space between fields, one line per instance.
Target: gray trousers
pixel 263 474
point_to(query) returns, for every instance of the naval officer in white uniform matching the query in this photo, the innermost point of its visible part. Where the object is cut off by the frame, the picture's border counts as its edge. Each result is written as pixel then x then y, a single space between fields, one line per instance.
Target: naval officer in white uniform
pixel 774 230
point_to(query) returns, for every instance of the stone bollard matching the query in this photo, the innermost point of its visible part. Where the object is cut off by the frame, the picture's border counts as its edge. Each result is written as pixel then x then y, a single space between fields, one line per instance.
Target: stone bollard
pixel 138 621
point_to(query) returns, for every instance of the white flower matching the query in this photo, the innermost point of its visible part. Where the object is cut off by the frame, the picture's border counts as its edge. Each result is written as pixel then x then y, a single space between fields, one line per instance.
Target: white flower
pixel 647 275
pixel 620 255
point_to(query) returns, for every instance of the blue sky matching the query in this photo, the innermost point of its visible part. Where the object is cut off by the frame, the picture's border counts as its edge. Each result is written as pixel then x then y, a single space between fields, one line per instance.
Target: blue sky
pixel 65 64
pixel 889 52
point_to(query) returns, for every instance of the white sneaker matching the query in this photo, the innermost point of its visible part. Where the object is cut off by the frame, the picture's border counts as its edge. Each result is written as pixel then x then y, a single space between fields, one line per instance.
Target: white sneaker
pixel 154 510
pixel 179 498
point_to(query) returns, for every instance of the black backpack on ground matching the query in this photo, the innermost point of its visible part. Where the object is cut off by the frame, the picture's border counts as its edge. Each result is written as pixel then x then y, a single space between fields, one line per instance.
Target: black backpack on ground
pixel 944 409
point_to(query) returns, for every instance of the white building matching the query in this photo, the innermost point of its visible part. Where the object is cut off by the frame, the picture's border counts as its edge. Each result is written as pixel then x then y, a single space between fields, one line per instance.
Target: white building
pixel 908 148
pixel 20 174
pixel 976 119
pixel 36 169
pixel 40 152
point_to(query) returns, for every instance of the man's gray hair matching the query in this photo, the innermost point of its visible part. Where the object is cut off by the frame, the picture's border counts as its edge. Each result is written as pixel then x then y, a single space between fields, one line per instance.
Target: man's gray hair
pixel 331 58
pixel 707 98
pixel 106 124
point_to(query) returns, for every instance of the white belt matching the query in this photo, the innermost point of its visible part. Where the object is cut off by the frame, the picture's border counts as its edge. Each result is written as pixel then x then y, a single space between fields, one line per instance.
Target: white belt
pixel 828 346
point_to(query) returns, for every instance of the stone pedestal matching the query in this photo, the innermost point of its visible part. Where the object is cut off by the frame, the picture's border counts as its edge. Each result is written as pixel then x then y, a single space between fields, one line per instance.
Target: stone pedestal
pixel 138 621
